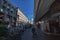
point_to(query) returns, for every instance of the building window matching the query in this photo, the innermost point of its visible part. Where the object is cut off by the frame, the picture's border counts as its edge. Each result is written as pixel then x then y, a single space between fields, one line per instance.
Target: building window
pixel 14 18
pixel 4 7
pixel 11 11
pixel 5 0
pixel 8 7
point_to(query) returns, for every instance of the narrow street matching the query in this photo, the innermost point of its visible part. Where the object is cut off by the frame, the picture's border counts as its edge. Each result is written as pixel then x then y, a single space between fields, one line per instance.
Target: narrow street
pixel 27 35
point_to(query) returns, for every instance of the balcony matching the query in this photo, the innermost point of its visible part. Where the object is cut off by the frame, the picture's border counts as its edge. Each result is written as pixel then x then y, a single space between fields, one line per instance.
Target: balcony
pixel 13 20
pixel 12 14
pixel 8 7
pixel 6 20
pixel 4 1
pixel 3 10
pixel 5 5
pixel 6 12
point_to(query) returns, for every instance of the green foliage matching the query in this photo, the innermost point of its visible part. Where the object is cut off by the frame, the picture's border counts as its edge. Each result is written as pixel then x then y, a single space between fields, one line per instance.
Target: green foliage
pixel 3 31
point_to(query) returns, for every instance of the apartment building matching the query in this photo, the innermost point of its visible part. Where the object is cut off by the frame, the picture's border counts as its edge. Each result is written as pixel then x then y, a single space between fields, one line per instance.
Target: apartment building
pixel 21 17
pixel 8 13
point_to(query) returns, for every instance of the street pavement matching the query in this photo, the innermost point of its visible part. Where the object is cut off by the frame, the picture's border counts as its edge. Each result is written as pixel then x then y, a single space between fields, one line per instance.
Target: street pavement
pixel 29 36
pixel 40 35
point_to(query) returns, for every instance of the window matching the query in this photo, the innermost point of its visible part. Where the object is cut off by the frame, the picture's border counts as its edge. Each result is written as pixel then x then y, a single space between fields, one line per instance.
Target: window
pixel 11 11
pixel 4 7
pixel 8 7
pixel 14 18
pixel 4 1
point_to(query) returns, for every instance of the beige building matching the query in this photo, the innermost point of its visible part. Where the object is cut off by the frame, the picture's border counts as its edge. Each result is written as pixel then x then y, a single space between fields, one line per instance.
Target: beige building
pixel 21 17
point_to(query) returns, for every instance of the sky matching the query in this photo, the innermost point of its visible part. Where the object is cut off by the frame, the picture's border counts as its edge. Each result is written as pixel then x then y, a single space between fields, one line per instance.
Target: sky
pixel 27 7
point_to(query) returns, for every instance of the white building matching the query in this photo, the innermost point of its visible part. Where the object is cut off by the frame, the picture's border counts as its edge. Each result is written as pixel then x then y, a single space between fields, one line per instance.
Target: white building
pixel 21 17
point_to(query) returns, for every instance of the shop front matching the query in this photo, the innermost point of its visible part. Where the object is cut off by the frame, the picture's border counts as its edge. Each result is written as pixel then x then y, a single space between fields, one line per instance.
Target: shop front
pixel 52 24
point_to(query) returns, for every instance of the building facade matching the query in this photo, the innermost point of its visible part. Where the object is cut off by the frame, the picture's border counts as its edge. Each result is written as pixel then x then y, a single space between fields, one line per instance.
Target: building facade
pixel 47 14
pixel 41 7
pixel 8 13
pixel 21 17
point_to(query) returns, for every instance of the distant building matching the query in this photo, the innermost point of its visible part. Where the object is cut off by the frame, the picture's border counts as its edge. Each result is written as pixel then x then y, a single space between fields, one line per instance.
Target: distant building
pixel 8 13
pixel 31 21
pixel 21 17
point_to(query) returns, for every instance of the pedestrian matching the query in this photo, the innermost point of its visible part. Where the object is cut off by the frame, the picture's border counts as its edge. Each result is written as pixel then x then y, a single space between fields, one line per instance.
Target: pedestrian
pixel 34 32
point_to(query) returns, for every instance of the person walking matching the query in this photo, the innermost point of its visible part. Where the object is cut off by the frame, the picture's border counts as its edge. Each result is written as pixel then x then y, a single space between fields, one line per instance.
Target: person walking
pixel 34 32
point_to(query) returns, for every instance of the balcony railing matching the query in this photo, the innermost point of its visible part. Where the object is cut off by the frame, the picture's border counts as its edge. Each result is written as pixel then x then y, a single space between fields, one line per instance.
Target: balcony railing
pixel 5 0
pixel 12 14
pixel 6 12
pixel 13 20
pixel 6 20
